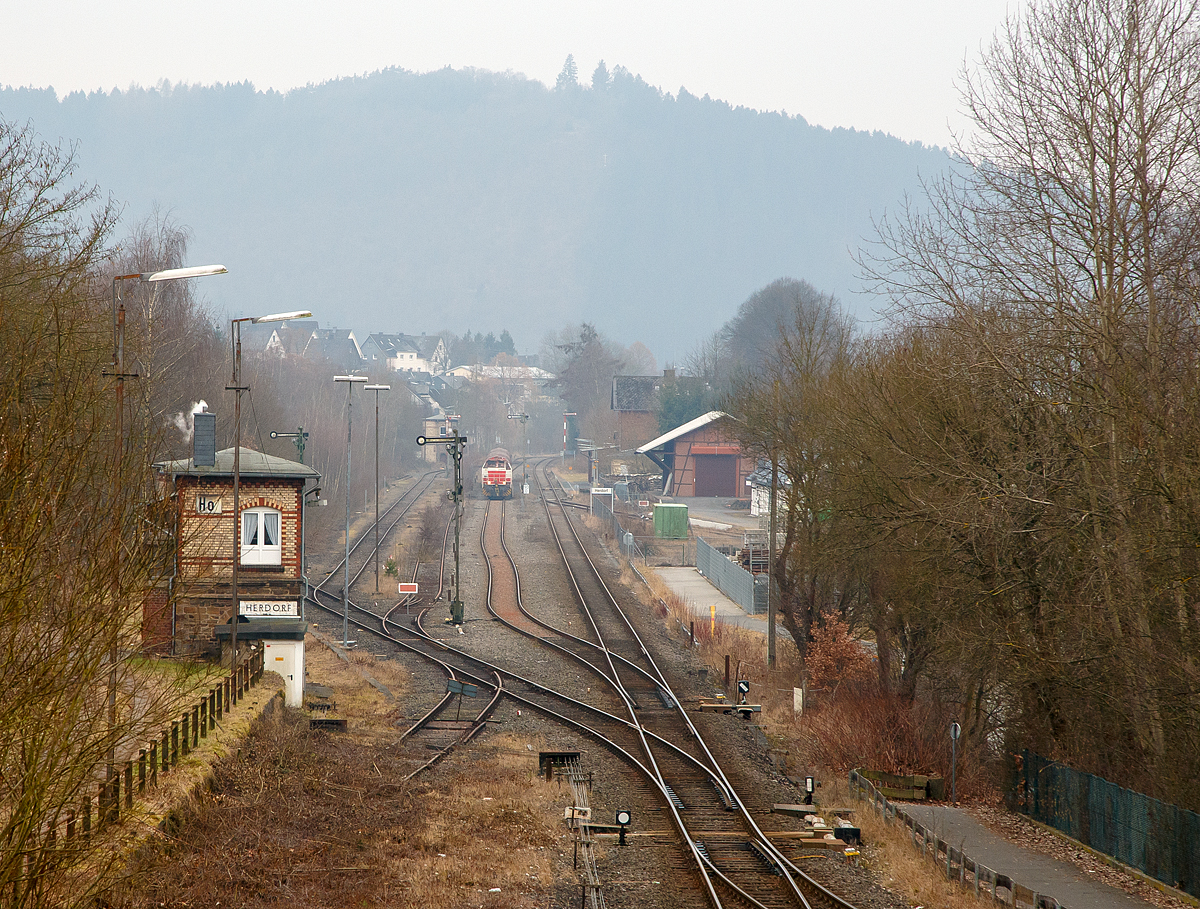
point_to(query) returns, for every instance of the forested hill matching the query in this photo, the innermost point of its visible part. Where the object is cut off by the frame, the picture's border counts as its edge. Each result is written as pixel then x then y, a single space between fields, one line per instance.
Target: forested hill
pixel 476 200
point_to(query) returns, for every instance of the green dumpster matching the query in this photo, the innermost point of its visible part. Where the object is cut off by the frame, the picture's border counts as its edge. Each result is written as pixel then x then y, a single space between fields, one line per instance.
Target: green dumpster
pixel 671 521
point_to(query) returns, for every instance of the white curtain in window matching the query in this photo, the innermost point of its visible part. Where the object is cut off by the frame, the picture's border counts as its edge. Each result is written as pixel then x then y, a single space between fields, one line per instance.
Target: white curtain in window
pixel 271 528
pixel 250 528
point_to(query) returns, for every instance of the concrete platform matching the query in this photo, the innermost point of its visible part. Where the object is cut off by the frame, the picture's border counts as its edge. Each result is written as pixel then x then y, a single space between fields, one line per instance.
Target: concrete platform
pixel 1069 885
pixel 717 510
pixel 701 596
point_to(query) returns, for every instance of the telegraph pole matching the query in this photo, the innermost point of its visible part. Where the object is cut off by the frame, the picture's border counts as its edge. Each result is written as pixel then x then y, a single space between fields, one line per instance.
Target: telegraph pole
pixel 524 418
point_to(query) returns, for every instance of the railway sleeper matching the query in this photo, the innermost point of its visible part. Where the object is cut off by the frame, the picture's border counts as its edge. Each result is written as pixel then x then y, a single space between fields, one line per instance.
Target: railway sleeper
pixel 724 794
pixel 675 800
pixel 667 700
pixel 764 856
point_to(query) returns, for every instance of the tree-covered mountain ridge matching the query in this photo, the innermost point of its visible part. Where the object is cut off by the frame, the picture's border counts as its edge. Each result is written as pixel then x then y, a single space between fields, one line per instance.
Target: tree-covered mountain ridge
pixel 468 199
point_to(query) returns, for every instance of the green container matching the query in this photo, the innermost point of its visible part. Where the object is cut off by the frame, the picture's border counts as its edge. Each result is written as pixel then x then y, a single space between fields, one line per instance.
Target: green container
pixel 671 522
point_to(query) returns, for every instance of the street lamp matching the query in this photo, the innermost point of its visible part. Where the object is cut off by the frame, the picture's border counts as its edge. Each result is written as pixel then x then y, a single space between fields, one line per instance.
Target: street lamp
pixel 377 389
pixel 118 372
pixel 350 380
pixel 235 335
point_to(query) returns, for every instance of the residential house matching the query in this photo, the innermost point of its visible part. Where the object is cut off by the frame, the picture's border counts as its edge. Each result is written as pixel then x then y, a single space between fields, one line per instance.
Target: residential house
pixel 407 353
pixel 338 346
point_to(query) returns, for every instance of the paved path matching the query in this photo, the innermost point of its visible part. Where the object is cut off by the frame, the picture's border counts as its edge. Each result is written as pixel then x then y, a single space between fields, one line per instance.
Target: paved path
pixel 1071 886
pixel 717 511
pixel 701 596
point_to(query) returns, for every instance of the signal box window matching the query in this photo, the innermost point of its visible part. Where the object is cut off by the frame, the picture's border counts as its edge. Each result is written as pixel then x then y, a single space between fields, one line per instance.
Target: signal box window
pixel 260 537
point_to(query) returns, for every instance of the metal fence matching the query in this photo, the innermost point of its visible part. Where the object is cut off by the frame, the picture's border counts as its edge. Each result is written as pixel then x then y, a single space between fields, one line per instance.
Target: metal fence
pixel 745 589
pixel 1157 838
pixel 628 545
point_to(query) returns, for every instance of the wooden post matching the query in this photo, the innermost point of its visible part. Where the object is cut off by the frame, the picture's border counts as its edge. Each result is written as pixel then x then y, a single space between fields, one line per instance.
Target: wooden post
pixel 212 709
pixel 129 785
pixel 693 630
pixel 165 751
pixel 154 763
pixel 195 726
pixel 141 770
pixel 187 736
pixel 174 743
pixel 87 819
pixel 70 823
pixel 727 673
pixel 203 717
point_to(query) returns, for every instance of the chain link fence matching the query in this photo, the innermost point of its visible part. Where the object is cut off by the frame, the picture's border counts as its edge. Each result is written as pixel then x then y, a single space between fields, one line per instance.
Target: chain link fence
pixel 1155 837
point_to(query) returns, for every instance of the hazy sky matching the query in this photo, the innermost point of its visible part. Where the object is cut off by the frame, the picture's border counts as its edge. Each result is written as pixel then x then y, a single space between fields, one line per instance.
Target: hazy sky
pixel 874 65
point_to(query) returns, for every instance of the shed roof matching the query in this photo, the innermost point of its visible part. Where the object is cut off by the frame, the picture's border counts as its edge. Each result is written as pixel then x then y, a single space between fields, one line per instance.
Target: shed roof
pixel 253 464
pixel 690 426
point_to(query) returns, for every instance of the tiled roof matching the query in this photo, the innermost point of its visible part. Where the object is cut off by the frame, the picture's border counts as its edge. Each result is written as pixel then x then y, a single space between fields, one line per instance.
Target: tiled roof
pixel 635 393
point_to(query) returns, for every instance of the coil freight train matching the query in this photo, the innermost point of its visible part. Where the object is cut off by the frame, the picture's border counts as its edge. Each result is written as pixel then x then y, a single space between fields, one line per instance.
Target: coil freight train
pixel 497 475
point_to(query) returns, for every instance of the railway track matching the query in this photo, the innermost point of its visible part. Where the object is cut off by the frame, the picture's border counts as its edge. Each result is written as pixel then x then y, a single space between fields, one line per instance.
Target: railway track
pixel 719 841
pixel 404 503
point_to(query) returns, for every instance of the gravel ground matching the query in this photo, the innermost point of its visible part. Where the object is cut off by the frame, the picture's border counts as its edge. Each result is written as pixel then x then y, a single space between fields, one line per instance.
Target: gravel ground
pixel 647 872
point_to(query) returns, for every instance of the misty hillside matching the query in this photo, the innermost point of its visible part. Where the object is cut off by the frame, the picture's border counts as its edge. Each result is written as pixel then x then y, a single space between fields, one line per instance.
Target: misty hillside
pixel 477 200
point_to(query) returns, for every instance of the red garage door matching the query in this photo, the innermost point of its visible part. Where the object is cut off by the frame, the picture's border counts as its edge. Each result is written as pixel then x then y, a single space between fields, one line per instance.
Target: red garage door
pixel 716 475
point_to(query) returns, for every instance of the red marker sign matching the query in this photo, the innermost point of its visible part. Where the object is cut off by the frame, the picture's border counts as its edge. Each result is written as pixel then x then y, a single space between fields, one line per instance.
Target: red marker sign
pixel 408 588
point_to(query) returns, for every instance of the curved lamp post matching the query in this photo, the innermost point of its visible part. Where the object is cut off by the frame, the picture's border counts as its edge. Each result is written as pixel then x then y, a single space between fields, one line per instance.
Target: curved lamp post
pixel 350 382
pixel 118 372
pixel 235 332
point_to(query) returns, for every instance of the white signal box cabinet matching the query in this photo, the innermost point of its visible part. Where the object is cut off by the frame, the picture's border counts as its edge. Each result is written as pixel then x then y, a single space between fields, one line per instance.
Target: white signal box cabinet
pixel 287 658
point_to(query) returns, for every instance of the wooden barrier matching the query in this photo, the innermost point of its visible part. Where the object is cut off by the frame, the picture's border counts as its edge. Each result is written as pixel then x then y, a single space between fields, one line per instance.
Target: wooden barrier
pixel 162 754
pixel 957 866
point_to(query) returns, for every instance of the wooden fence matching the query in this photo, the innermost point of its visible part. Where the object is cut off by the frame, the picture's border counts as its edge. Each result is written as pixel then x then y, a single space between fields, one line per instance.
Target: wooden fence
pixel 958 867
pixel 162 754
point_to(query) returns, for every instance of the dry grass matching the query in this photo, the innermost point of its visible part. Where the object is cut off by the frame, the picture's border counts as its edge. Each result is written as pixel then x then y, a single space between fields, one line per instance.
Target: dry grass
pixel 840 730
pixel 901 867
pixel 306 818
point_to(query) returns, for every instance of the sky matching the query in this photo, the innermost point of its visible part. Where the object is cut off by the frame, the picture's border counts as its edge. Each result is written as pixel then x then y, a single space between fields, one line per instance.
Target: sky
pixel 871 65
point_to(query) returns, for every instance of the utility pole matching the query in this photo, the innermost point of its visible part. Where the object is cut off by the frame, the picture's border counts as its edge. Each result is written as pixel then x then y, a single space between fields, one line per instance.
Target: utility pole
pixel 524 418
pixel 771 565
pixel 377 389
pixel 349 380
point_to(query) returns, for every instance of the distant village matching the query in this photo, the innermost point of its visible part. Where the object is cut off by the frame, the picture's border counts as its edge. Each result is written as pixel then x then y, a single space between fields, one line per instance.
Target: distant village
pixel 636 453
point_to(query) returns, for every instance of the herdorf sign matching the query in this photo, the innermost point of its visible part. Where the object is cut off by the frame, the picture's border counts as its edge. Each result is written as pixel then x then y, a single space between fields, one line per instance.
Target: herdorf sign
pixel 269 609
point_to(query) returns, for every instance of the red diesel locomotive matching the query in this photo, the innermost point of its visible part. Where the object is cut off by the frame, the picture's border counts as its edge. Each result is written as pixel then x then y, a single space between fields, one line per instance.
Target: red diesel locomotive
pixel 497 475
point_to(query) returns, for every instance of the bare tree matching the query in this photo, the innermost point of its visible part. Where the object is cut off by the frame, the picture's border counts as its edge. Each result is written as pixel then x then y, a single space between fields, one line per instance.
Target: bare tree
pixel 75 555
pixel 782 411
pixel 1051 291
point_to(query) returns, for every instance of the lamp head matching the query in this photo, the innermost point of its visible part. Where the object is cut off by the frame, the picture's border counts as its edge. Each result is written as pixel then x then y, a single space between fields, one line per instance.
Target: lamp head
pixel 283 316
pixel 193 271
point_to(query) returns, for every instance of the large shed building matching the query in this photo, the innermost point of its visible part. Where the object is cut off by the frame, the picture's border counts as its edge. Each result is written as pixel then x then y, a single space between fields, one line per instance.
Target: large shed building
pixel 701 458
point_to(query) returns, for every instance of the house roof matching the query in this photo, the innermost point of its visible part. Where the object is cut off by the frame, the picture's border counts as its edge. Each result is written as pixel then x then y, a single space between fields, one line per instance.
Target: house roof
pixel 391 344
pixel 290 338
pixel 253 464
pixel 683 430
pixel 635 393
pixel 337 345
